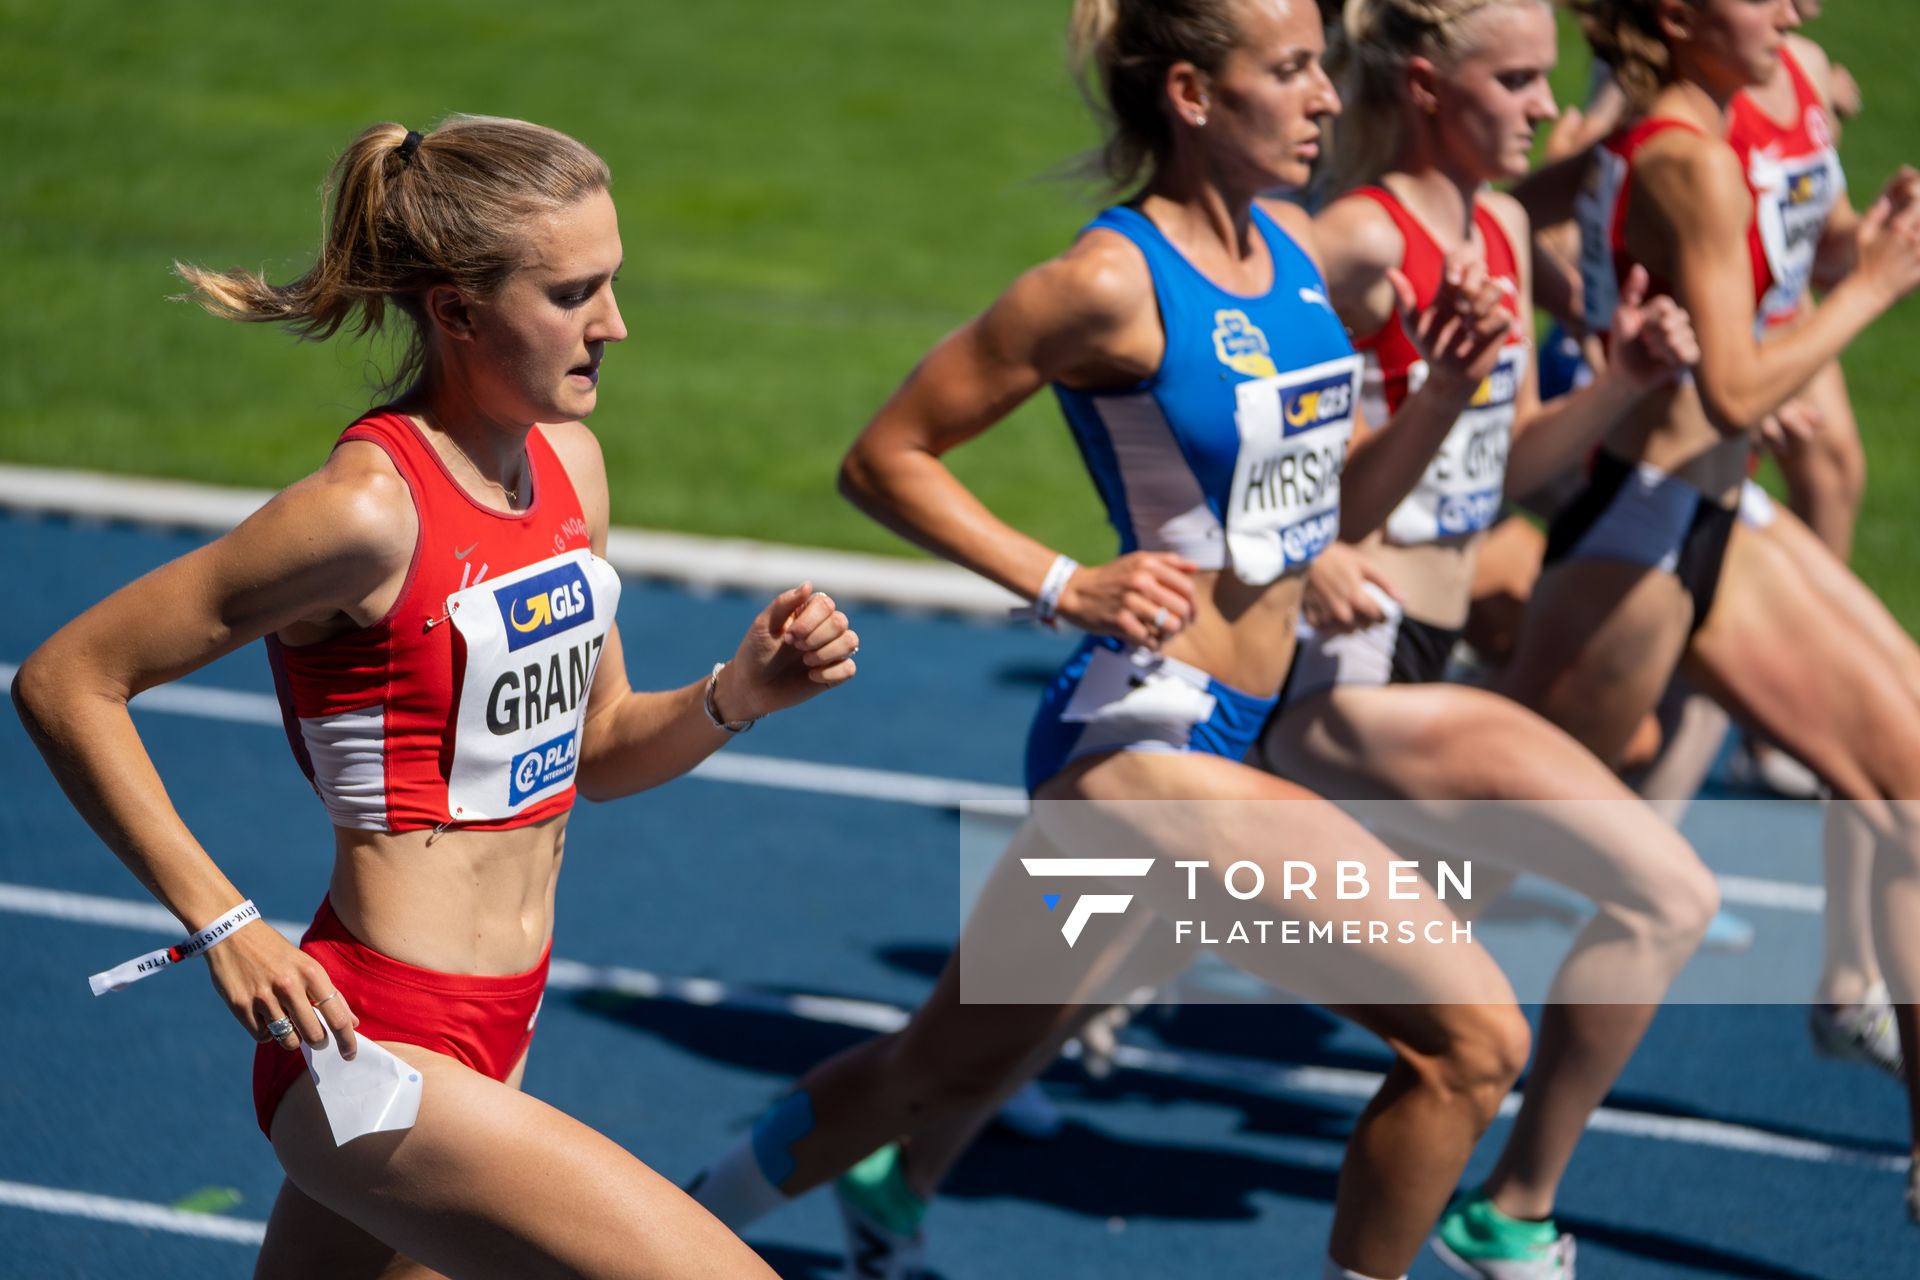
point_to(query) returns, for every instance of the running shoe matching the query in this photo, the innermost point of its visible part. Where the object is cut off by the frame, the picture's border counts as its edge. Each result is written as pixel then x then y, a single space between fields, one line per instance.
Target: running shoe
pixel 881 1220
pixel 1478 1241
pixel 1865 1033
pixel 1030 1114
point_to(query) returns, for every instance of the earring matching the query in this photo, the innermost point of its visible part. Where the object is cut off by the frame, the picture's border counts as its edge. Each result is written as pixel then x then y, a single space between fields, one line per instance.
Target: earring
pixel 1199 119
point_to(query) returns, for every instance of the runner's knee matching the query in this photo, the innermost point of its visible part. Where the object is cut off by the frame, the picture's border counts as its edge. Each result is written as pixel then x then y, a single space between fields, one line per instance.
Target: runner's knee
pixel 1482 1052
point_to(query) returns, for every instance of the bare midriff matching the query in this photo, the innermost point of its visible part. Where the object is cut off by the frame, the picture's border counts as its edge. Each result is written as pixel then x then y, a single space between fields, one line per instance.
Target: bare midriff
pixel 1241 635
pixel 459 901
pixel 1670 430
pixel 1434 579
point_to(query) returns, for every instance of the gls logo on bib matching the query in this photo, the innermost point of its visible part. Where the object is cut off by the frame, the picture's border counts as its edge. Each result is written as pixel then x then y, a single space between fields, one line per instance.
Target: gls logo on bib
pixel 1327 400
pixel 544 605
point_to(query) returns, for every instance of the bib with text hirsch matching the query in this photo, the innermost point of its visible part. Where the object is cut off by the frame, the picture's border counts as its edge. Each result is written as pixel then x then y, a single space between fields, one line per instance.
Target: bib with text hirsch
pixel 464 704
pixel 1230 454
pixel 1284 507
pixel 1461 491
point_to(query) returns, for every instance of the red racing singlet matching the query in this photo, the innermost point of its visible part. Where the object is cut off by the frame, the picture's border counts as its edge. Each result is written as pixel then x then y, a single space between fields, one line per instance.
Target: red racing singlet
pixel 463 705
pixel 1795 174
pixel 1602 213
pixel 1460 492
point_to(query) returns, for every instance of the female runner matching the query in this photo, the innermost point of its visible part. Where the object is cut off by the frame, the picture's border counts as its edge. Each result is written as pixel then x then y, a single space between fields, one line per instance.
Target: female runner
pixel 1455 92
pixel 1172 330
pixel 1638 580
pixel 1444 97
pixel 1786 134
pixel 441 628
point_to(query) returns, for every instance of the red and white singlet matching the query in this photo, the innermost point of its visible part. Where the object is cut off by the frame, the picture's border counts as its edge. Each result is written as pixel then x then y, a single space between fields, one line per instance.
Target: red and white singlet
pixel 1460 493
pixel 1795 174
pixel 464 704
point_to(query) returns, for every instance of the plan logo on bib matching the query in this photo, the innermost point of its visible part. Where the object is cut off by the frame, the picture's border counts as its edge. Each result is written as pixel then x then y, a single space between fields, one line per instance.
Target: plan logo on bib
pixel 1241 346
pixel 546 765
pixel 544 605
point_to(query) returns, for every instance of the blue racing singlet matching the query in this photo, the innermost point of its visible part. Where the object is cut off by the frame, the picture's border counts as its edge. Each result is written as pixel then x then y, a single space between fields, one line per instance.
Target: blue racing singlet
pixel 1230 454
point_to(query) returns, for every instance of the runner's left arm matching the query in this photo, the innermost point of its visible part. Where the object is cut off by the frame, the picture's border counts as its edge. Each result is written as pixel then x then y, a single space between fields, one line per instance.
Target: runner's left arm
pixel 800 645
pixel 1652 342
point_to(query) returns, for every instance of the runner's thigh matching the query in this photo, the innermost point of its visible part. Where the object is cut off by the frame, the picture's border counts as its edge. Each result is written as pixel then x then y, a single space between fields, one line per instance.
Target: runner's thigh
pixel 489 1182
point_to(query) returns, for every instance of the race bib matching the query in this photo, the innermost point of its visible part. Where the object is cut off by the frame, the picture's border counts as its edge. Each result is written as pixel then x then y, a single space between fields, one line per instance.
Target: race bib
pixel 1284 506
pixel 533 640
pixel 1793 201
pixel 1463 485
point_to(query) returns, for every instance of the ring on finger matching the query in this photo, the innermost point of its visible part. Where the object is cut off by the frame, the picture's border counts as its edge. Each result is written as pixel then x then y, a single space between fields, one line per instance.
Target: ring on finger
pixel 318 1004
pixel 1160 618
pixel 280 1028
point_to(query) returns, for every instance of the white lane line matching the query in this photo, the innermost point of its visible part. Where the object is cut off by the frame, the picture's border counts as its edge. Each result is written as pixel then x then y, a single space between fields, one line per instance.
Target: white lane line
pixel 131 1213
pixel 240 707
pixel 1781 895
pixel 878 1016
pixel 852 781
pixel 738 564
pixel 864 784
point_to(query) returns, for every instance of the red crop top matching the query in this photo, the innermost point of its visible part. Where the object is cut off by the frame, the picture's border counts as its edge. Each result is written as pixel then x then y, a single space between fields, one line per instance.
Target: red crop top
pixel 464 704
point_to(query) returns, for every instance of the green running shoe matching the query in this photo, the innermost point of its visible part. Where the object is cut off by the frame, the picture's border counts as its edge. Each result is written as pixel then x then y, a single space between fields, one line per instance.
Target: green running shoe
pixel 1478 1241
pixel 881 1216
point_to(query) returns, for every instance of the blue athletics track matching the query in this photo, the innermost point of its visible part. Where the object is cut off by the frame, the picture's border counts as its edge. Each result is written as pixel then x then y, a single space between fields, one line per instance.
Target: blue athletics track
pixel 719 935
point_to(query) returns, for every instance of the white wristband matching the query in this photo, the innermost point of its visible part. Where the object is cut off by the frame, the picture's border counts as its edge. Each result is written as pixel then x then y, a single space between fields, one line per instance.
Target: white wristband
pixel 125 975
pixel 1047 604
pixel 713 709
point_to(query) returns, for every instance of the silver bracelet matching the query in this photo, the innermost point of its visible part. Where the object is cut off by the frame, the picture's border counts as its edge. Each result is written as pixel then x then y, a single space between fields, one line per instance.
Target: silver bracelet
pixel 1046 605
pixel 713 711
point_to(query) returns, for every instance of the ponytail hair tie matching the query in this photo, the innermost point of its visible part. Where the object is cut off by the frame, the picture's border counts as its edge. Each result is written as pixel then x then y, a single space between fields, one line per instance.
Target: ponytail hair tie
pixel 409 146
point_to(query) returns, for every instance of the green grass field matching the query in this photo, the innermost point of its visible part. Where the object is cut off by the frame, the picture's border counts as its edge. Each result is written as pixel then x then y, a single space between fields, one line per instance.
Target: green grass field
pixel 810 195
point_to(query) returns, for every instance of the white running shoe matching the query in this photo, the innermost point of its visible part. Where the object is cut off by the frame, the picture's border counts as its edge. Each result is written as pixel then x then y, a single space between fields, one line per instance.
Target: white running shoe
pixel 1030 1114
pixel 875 1251
pixel 1865 1033
pixel 1555 1262
pixel 1475 1239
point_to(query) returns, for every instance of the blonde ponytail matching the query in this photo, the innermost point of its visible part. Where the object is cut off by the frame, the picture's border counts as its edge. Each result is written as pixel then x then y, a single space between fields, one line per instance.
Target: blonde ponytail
pixel 406 211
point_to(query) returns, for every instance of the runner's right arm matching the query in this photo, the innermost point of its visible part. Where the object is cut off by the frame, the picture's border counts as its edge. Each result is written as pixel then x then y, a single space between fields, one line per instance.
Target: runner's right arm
pixel 1086 318
pixel 334 546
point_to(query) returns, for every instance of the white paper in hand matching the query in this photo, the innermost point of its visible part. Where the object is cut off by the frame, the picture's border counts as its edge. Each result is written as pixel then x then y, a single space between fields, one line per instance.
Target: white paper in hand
pixel 373 1093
